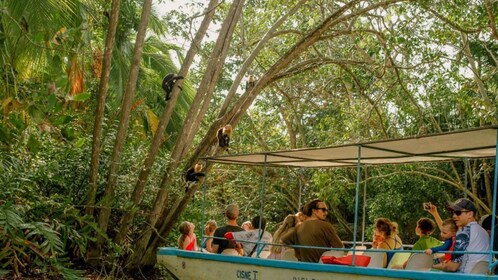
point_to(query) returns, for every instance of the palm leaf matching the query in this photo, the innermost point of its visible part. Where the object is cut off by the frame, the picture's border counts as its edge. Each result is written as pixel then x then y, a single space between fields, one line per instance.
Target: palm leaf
pixel 51 244
pixel 9 218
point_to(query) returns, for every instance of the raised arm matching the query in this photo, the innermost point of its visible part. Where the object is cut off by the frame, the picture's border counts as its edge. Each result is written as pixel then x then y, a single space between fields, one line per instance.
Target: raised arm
pixel 433 211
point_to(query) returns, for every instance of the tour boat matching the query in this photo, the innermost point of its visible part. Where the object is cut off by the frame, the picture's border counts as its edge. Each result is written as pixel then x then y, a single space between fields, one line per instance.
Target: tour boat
pixel 448 146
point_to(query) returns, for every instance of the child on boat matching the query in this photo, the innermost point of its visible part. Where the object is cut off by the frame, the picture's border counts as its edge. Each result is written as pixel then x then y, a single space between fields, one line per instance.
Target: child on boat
pixel 449 228
pixel 187 241
pixel 448 231
pixel 207 240
pixel 424 229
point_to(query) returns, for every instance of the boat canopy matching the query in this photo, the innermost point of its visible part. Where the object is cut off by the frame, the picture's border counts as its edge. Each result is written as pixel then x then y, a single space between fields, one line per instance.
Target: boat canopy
pixel 461 144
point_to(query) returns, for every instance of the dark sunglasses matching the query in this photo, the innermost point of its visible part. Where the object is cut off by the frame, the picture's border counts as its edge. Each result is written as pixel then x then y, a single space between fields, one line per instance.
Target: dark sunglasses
pixel 323 209
pixel 459 212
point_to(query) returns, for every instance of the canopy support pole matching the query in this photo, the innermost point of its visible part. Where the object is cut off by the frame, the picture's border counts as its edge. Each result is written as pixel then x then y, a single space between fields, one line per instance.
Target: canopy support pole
pixel 201 228
pixel 493 211
pixel 356 204
pixel 363 222
pixel 466 170
pixel 300 189
pixel 262 199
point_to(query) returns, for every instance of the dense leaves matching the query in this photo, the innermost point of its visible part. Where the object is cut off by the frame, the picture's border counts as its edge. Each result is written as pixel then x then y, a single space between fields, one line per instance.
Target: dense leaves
pixel 379 70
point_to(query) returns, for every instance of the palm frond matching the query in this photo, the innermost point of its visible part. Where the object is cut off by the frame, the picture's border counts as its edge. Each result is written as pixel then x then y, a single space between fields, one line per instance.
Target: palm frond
pixel 51 244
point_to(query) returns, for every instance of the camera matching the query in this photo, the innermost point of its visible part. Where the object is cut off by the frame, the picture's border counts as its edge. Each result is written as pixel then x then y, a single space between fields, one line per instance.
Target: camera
pixel 426 205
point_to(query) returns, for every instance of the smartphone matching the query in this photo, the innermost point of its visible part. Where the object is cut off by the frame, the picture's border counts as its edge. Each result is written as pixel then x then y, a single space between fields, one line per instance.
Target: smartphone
pixel 426 205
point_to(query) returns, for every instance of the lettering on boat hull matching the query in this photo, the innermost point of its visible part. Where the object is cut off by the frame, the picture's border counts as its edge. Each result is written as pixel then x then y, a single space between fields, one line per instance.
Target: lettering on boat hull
pixel 247 274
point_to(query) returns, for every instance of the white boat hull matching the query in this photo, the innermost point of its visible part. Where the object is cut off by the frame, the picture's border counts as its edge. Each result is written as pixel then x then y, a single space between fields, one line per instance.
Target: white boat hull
pixel 196 265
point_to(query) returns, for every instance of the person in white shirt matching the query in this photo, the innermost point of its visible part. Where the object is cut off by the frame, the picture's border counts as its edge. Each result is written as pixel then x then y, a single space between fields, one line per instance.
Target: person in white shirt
pixel 249 239
pixel 470 237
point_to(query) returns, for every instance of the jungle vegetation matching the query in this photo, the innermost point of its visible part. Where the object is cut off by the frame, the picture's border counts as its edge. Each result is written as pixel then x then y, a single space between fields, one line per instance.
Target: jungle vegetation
pixel 92 155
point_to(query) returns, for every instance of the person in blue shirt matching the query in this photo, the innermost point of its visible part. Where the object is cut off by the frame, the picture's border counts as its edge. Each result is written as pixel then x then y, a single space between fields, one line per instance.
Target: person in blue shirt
pixel 448 232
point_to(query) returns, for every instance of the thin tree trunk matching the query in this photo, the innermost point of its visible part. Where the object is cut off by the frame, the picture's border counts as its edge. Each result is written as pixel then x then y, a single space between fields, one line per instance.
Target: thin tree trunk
pixel 290 130
pixel 477 78
pixel 208 83
pixel 108 198
pixel 488 184
pixel 163 123
pixel 252 56
pixel 473 182
pixel 93 251
pixel 204 94
pixel 149 256
pixel 257 134
pixel 99 115
pixel 492 22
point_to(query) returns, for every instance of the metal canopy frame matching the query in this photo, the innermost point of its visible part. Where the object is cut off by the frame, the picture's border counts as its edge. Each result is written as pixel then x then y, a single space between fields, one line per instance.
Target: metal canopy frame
pixel 462 144
pixel 455 145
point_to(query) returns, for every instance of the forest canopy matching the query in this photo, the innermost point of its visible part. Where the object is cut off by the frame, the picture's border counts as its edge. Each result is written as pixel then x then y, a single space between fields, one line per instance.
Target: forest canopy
pixel 94 156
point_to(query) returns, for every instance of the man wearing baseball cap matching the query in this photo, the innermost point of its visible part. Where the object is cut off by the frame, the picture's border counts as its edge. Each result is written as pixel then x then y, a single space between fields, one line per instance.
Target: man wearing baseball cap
pixel 470 237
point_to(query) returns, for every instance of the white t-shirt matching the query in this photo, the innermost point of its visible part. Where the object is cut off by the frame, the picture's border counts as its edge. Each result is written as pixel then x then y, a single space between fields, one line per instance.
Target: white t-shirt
pixel 253 235
pixel 470 238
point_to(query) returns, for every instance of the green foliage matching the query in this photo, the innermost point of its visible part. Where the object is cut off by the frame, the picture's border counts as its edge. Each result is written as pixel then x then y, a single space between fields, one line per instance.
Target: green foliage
pixel 31 247
pixel 43 231
pixel 399 70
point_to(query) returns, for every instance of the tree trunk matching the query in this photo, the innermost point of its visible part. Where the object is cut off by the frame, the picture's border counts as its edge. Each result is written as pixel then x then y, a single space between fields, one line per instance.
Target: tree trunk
pixel 196 112
pixel 170 220
pixel 488 184
pixel 290 129
pixel 477 78
pixel 254 53
pixel 165 118
pixel 93 249
pixel 108 198
pixel 99 115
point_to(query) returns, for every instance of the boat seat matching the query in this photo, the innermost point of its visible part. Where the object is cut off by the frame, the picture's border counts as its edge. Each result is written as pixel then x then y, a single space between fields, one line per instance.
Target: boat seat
pixel 399 258
pixel 332 253
pixel 419 261
pixel 377 259
pixel 289 255
pixel 358 252
pixel 229 251
pixel 262 255
pixel 480 268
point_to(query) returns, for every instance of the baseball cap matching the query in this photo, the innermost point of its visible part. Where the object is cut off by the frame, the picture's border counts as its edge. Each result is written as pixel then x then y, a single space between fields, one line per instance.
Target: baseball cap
pixel 462 204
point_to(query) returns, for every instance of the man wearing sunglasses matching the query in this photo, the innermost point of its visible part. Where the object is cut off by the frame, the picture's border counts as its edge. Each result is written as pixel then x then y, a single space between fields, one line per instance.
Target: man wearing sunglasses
pixel 315 231
pixel 470 237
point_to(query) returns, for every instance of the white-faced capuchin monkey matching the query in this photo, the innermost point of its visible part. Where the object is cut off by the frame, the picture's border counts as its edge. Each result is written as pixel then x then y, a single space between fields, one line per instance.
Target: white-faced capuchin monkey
pixel 250 82
pixel 224 135
pixel 168 83
pixel 193 174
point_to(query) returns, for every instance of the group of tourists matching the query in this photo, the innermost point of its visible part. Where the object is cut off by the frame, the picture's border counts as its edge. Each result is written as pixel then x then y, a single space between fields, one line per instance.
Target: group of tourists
pixel 314 235
pixel 461 233
pixel 230 236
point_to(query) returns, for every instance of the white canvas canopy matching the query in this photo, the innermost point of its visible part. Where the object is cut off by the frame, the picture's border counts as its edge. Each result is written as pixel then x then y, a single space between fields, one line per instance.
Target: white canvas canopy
pixel 462 144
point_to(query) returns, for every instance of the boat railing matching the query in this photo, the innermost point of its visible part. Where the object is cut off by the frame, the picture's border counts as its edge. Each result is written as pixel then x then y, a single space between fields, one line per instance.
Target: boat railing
pixel 352 250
